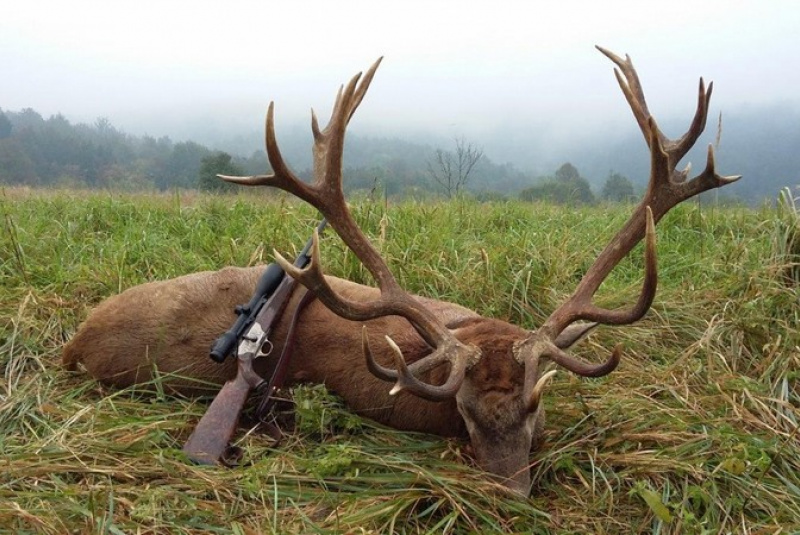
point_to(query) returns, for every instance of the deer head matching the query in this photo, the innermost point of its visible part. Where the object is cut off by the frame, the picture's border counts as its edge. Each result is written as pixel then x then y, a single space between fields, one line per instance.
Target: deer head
pixel 497 380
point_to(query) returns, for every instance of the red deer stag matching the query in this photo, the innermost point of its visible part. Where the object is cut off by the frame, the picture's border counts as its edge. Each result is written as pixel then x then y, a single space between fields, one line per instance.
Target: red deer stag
pixel 455 373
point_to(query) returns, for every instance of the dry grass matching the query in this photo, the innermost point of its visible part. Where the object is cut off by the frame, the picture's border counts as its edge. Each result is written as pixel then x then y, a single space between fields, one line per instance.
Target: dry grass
pixel 697 432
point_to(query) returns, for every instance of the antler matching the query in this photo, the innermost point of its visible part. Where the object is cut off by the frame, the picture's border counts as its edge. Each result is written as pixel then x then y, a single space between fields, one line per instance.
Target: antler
pixel 667 188
pixel 325 193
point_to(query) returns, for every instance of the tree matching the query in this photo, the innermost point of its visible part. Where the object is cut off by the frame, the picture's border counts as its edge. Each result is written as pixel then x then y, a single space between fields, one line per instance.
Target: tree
pixel 617 188
pixel 568 173
pixel 5 126
pixel 566 187
pixel 27 118
pixel 182 167
pixel 219 163
pixel 16 167
pixel 104 127
pixel 578 188
pixel 451 170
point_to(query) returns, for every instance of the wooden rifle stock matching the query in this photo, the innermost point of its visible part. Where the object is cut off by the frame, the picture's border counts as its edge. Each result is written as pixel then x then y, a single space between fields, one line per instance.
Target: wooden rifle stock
pixel 212 435
pixel 210 439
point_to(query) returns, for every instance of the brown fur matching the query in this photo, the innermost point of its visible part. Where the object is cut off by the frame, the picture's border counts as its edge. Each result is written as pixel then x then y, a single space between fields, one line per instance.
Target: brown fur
pixel 166 328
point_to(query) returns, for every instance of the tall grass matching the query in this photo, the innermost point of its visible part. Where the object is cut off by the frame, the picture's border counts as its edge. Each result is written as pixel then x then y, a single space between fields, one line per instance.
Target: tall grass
pixel 697 432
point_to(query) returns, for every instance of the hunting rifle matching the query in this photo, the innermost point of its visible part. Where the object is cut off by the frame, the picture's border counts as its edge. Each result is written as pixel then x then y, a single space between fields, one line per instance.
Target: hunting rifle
pixel 250 335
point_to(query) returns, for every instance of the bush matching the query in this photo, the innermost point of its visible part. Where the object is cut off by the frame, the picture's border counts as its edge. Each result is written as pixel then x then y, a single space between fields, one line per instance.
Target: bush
pixel 566 187
pixel 618 188
pixel 217 164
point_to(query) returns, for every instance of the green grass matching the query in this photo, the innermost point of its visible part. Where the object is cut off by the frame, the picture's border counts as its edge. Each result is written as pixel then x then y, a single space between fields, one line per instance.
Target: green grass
pixel 696 432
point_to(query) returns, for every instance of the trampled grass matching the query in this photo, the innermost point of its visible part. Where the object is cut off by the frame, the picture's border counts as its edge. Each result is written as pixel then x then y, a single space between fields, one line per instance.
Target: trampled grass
pixel 696 432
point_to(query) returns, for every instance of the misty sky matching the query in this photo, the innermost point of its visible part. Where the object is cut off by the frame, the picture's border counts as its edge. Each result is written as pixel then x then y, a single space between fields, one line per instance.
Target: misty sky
pixel 452 68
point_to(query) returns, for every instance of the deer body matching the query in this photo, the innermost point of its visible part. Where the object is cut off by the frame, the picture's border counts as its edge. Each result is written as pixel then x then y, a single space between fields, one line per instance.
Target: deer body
pixel 455 372
pixel 166 328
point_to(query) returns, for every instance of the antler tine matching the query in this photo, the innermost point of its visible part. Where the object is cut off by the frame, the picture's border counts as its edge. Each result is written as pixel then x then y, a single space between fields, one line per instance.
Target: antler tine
pixel 536 390
pixel 313 278
pixel 347 101
pixel 708 179
pixel 361 90
pixel 631 87
pixel 416 368
pixel 584 369
pixel 682 145
pixel 393 300
pixel 281 177
pixel 406 375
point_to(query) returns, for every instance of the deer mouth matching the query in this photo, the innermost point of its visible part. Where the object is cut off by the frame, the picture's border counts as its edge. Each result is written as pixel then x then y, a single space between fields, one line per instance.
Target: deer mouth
pixel 507 463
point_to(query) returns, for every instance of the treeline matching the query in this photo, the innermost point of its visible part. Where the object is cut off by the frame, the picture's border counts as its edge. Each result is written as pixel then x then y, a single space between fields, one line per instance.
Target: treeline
pixel 35 151
pixel 53 152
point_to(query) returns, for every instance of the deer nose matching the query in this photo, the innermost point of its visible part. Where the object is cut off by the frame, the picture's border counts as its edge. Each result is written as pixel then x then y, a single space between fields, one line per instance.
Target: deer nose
pixel 520 483
pixel 509 470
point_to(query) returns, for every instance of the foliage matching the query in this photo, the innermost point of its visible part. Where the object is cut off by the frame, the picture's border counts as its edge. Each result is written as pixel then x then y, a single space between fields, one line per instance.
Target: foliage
pixel 54 152
pixel 5 126
pixel 787 246
pixel 319 414
pixel 617 188
pixel 696 432
pixel 217 164
pixel 566 187
pixel 15 164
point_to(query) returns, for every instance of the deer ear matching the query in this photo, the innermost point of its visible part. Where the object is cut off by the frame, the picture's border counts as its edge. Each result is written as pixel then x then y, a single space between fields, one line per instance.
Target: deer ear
pixel 573 334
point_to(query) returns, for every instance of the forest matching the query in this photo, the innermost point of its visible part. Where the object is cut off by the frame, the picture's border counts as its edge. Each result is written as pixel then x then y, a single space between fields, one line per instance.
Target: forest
pixel 54 152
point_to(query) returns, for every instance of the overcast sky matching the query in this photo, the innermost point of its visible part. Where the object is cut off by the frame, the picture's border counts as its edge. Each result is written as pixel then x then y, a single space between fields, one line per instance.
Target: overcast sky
pixel 458 68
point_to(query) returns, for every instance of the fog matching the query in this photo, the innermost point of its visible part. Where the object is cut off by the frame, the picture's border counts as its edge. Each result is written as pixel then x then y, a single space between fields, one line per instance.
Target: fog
pixel 507 75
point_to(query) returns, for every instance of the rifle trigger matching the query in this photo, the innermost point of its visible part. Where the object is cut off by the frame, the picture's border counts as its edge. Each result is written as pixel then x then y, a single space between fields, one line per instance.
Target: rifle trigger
pixel 265 349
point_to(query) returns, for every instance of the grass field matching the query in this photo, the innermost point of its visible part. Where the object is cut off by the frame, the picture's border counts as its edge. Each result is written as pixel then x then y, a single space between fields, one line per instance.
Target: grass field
pixel 696 432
